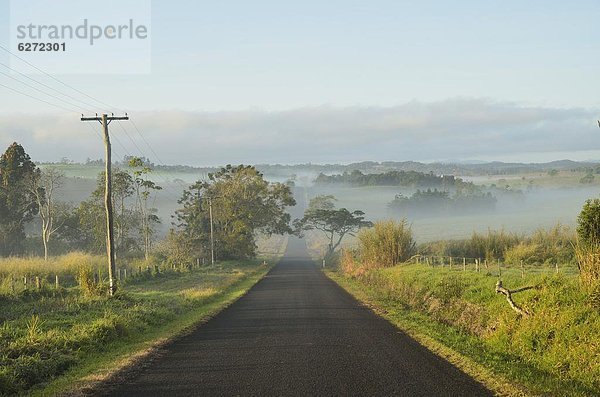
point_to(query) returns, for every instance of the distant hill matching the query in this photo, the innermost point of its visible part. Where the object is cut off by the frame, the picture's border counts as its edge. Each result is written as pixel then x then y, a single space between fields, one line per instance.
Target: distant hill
pixel 437 168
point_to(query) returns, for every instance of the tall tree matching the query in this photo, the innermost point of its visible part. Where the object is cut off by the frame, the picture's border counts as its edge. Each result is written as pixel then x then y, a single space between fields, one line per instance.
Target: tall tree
pixel 143 189
pixel 17 204
pixel 192 220
pixel 322 215
pixel 43 186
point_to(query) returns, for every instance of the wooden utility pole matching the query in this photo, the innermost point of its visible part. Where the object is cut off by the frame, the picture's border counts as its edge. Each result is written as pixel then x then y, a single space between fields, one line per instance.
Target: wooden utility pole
pixel 105 120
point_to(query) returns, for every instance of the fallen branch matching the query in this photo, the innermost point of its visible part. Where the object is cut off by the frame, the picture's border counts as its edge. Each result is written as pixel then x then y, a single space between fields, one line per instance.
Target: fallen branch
pixel 508 293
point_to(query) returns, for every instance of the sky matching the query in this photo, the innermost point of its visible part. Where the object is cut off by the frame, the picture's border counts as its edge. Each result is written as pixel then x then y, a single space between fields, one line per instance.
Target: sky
pixel 336 81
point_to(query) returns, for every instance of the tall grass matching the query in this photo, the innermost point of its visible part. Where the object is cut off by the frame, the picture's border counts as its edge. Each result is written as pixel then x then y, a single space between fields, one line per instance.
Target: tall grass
pixel 490 245
pixel 544 246
pixel 75 268
pixel 386 244
pixel 588 261
pixel 68 264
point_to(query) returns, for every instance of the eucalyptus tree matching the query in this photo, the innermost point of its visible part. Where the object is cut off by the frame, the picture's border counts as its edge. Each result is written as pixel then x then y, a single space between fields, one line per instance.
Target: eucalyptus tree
pixel 143 191
pixel 43 186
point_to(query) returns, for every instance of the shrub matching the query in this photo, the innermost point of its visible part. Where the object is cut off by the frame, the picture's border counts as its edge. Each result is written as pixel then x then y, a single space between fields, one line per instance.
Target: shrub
pixel 86 281
pixel 386 244
pixel 588 222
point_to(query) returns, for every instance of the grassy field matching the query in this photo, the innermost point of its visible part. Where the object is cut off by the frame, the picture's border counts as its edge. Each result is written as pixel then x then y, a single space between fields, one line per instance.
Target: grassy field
pixel 52 340
pixel 554 351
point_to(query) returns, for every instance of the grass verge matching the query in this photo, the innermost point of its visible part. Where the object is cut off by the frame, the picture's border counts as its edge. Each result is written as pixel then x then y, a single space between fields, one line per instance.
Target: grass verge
pixel 54 342
pixel 477 331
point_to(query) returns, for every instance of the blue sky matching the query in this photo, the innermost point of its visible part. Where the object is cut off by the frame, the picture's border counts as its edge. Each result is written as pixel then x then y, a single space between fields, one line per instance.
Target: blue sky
pixel 275 58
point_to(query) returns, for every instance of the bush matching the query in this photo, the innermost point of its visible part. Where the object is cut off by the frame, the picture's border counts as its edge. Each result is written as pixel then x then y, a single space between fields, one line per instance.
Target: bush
pixel 88 285
pixel 588 222
pixel 386 244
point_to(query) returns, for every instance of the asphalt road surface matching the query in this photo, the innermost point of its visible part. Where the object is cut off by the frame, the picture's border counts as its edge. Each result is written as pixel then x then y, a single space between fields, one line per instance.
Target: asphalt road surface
pixel 298 333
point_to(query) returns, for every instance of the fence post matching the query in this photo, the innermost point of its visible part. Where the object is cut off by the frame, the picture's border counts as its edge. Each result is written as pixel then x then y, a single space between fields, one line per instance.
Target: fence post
pixel 427 260
pixel 499 269
pixel 25 281
pixel 56 283
pixel 485 262
pixel 323 263
pixel 556 265
pixel 477 265
pixel 450 262
pixel 464 264
pixel 125 274
pixel 38 283
pixel 522 269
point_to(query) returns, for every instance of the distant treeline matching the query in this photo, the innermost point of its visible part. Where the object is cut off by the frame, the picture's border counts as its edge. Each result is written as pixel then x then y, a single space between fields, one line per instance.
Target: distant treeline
pixel 449 167
pixel 392 178
pixel 491 168
pixel 439 202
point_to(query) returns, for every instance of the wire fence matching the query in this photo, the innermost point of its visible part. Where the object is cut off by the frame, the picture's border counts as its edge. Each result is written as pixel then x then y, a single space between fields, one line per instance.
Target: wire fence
pixel 15 284
pixel 494 266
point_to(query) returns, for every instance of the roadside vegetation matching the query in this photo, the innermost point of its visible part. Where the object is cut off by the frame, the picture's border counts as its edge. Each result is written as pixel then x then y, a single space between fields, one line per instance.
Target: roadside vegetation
pixel 546 342
pixel 50 332
pixel 58 322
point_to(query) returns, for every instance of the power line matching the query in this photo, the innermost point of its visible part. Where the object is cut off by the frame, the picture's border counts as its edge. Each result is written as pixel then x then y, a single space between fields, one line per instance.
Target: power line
pixel 54 78
pixel 37 89
pixel 37 99
pixel 152 150
pixel 77 106
pixel 47 86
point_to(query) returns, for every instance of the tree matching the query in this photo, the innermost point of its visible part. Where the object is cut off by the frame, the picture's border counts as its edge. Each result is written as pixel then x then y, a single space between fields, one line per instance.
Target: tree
pixel 92 218
pixel 17 205
pixel 193 220
pixel 588 223
pixel 244 204
pixel 43 185
pixel 143 188
pixel 335 223
pixel 124 218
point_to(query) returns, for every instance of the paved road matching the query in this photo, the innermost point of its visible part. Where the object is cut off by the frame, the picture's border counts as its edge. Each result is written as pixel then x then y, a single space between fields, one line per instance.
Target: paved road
pixel 297 333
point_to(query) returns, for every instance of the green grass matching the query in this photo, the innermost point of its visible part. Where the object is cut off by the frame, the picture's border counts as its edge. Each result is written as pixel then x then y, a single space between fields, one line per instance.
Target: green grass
pixel 458 314
pixel 57 340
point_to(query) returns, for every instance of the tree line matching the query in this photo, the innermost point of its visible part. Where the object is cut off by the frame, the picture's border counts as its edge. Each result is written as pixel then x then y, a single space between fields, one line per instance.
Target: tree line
pixel 442 202
pixel 244 205
pixel 392 178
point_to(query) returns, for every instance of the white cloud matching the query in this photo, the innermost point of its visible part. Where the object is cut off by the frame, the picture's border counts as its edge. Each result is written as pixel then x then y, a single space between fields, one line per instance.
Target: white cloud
pixel 456 128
